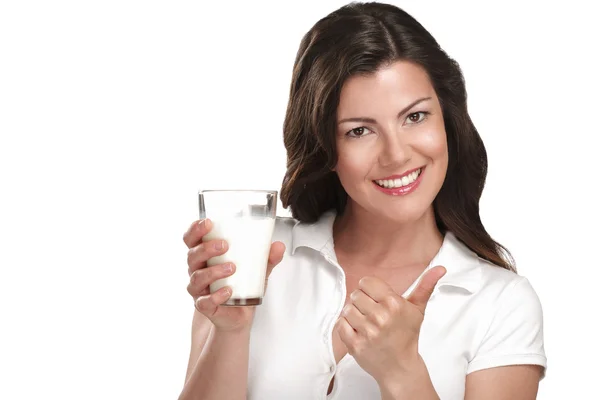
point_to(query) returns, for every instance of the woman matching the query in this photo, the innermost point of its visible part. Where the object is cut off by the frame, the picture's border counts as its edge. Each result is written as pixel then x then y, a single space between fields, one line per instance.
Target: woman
pixel 415 300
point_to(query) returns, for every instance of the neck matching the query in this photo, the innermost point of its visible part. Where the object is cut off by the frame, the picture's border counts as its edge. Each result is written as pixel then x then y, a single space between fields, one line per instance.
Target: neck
pixel 379 243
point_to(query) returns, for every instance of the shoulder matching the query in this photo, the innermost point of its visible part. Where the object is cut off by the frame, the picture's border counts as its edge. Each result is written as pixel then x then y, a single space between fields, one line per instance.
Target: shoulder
pixel 500 284
pixel 510 309
pixel 487 281
pixel 494 289
pixel 510 321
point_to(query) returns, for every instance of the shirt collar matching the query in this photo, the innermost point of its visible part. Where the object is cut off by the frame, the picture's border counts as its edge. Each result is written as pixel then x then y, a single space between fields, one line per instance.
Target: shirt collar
pixel 317 235
pixel 462 265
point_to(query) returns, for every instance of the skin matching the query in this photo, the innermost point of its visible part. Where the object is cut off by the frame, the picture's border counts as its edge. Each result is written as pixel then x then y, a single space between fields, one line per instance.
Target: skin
pixel 378 327
pixel 220 335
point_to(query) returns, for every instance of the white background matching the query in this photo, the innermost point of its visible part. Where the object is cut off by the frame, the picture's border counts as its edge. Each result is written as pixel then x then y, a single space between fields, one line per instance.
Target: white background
pixel 114 113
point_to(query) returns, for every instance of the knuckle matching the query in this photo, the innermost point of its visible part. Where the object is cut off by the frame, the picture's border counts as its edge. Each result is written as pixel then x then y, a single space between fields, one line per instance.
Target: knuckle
pixel 393 303
pixel 192 286
pixel 190 256
pixel 371 333
pixel 193 255
pixel 194 277
pixel 208 274
pixel 380 319
pixel 347 310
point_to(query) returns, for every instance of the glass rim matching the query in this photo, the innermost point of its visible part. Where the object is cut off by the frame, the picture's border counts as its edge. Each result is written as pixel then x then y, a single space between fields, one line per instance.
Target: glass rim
pixel 236 190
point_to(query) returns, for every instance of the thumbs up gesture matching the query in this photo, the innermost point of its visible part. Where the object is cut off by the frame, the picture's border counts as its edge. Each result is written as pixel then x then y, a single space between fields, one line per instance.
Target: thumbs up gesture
pixel 381 328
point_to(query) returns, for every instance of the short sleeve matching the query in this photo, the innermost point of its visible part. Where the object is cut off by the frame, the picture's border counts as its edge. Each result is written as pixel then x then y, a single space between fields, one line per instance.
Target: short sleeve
pixel 516 334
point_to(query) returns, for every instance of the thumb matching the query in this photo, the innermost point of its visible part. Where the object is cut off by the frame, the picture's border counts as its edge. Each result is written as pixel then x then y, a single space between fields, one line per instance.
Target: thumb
pixel 420 296
pixel 275 256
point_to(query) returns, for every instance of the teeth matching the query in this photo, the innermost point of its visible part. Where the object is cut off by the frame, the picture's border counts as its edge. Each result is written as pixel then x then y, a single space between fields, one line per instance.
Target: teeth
pixel 396 183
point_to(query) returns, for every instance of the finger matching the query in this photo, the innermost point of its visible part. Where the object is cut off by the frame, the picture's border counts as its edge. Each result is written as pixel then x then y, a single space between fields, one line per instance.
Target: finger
pixel 356 319
pixel 422 292
pixel 202 278
pixel 365 304
pixel 193 236
pixel 346 332
pixel 375 288
pixel 199 254
pixel 275 256
pixel 209 304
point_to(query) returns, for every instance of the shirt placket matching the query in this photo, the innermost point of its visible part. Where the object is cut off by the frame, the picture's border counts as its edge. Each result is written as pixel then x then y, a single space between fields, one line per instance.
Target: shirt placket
pixel 340 289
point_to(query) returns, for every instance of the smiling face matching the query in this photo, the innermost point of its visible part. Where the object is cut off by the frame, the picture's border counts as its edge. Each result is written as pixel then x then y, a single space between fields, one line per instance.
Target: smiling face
pixel 391 142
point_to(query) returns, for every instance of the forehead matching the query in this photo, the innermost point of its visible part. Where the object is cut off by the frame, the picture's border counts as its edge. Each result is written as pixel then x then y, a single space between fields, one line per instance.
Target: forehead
pixel 393 86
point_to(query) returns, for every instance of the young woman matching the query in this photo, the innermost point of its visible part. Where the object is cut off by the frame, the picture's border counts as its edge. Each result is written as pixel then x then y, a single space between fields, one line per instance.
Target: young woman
pixel 388 285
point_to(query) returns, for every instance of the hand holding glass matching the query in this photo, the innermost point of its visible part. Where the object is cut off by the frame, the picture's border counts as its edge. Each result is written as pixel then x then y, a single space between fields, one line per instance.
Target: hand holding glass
pixel 245 219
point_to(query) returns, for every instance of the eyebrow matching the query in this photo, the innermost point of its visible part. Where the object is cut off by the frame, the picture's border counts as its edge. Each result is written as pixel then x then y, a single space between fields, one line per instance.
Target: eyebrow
pixel 372 121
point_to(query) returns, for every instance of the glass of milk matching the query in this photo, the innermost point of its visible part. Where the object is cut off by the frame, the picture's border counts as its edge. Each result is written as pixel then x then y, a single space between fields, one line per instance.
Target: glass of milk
pixel 245 220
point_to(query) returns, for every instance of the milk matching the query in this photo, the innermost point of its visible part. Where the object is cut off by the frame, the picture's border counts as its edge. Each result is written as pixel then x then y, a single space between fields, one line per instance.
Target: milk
pixel 249 239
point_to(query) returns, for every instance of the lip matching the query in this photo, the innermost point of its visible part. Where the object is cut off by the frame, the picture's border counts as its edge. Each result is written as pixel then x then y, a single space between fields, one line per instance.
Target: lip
pixel 401 175
pixel 404 190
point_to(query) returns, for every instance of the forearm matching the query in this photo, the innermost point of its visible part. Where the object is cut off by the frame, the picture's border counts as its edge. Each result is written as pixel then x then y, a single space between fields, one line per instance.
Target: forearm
pixel 222 369
pixel 415 383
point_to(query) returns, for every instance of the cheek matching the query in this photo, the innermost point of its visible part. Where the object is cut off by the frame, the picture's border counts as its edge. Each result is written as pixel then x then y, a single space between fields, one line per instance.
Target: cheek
pixel 432 143
pixel 353 163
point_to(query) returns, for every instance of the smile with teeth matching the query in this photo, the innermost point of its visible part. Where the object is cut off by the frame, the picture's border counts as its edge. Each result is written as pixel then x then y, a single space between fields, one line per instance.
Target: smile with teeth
pixel 399 182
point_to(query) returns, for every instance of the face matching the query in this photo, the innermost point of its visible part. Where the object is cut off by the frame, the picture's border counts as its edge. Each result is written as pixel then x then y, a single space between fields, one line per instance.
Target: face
pixel 391 142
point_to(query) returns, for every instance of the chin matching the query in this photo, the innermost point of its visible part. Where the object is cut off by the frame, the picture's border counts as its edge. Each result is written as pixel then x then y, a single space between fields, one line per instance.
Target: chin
pixel 403 215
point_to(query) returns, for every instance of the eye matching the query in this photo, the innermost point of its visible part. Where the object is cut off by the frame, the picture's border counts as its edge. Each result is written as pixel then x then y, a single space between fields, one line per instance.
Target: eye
pixel 358 132
pixel 417 117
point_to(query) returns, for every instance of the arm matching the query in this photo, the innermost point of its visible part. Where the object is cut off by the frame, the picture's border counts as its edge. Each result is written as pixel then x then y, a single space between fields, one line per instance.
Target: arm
pixel 415 383
pixel 218 365
pixel 201 327
pixel 514 382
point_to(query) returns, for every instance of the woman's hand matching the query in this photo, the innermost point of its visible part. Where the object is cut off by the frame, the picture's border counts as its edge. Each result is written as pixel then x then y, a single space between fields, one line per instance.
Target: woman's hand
pixel 381 329
pixel 225 318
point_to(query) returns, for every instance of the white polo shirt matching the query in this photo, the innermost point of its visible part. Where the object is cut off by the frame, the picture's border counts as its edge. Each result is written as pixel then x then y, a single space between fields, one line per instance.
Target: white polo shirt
pixel 479 316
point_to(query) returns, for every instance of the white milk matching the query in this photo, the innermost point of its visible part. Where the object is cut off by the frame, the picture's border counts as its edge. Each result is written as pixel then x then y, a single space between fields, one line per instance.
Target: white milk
pixel 249 240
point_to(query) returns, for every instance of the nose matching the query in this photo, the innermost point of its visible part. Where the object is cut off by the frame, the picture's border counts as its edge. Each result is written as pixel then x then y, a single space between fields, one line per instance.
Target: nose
pixel 394 152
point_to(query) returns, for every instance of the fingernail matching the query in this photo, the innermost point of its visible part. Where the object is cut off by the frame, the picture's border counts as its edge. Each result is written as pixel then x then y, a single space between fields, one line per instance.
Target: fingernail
pixel 228 268
pixel 219 245
pixel 226 291
pixel 203 223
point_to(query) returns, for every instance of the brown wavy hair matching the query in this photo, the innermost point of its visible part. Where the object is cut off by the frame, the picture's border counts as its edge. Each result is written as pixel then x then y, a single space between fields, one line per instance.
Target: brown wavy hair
pixel 360 38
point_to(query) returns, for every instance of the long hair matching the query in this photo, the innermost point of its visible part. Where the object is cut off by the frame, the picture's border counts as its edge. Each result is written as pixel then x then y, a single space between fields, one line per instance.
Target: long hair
pixel 360 38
